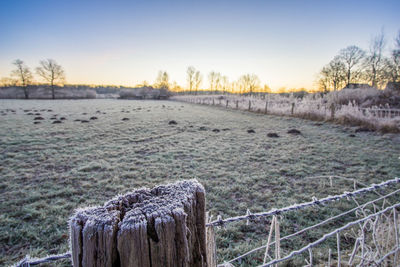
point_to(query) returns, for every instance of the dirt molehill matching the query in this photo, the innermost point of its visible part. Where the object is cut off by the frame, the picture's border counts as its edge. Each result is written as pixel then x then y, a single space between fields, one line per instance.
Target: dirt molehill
pixel 294 132
pixel 273 135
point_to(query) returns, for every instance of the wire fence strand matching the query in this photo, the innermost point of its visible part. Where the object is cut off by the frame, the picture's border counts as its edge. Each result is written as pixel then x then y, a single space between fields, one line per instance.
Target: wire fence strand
pixel 326 236
pixel 28 261
pixel 315 202
pixel 314 226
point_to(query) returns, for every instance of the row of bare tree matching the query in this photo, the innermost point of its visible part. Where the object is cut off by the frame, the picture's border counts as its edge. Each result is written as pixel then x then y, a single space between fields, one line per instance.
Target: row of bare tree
pixel 246 84
pixel 355 65
pixel 48 70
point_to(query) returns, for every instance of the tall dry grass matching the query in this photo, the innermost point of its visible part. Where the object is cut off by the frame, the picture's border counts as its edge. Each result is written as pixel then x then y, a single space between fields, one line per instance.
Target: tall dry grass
pixel 350 106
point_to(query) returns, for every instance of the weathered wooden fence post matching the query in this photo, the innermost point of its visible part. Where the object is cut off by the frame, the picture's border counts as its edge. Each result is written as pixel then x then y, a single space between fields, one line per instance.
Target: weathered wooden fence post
pixel 292 110
pixel 213 102
pixel 249 105
pixel 163 226
pixel 227 103
pixel 211 246
pixel 266 107
pixel 237 104
pixel 332 111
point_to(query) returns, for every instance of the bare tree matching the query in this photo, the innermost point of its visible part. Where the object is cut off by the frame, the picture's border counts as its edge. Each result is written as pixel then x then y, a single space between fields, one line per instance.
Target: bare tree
pixel 225 83
pixel 217 82
pixel 374 59
pixel 23 75
pixel 391 70
pixel 190 77
pixel 394 65
pixel 234 86
pixel 324 81
pixel 249 83
pixel 51 72
pixel 333 74
pixel 162 81
pixel 176 88
pixel 267 89
pixel 212 77
pixel 197 81
pixel 254 83
pixel 6 81
pixel 143 84
pixel 396 50
pixel 351 56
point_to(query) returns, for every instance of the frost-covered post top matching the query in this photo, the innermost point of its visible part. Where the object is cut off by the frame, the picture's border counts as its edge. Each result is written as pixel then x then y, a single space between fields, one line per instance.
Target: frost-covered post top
pixel 163 226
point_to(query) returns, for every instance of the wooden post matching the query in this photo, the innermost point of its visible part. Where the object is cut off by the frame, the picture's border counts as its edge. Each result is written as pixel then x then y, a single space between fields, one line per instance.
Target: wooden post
pixel 227 103
pixel 292 111
pixel 211 247
pixel 249 105
pixel 237 104
pixel 163 226
pixel 266 107
pixel 213 102
pixel 332 111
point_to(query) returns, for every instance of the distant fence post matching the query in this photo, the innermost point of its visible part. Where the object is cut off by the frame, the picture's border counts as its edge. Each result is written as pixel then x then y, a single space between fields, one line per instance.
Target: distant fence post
pixel 292 110
pixel 249 105
pixel 237 104
pixel 332 111
pixel 266 107
pixel 213 102
pixel 163 226
pixel 227 103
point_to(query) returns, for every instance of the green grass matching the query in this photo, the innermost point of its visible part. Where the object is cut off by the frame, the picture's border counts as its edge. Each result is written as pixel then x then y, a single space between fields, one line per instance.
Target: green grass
pixel 48 170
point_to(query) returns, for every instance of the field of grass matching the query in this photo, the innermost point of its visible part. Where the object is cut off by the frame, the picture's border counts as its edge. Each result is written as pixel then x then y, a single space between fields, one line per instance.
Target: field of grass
pixel 47 170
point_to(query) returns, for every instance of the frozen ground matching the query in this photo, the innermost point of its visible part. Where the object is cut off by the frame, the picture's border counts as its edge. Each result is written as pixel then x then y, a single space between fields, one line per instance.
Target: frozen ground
pixel 48 170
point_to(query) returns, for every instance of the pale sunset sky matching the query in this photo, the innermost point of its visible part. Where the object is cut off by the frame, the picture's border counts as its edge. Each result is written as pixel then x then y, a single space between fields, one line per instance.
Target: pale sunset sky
pixel 285 42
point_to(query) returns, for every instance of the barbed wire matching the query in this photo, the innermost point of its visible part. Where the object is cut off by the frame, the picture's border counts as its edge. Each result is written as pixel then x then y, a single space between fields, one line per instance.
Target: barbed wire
pixel 390 253
pixel 312 226
pixel 28 261
pixel 326 236
pixel 314 202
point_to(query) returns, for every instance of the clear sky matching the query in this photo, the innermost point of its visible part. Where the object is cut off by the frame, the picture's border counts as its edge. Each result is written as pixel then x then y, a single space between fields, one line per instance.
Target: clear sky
pixel 125 42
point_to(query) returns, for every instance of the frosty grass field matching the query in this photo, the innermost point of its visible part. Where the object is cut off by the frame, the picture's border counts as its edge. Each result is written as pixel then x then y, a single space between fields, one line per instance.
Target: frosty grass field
pixel 48 170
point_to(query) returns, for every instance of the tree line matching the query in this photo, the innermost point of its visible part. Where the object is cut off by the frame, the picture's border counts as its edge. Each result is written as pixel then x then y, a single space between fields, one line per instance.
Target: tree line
pixel 217 83
pixel 53 74
pixel 356 65
pixel 351 65
pixel 48 70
